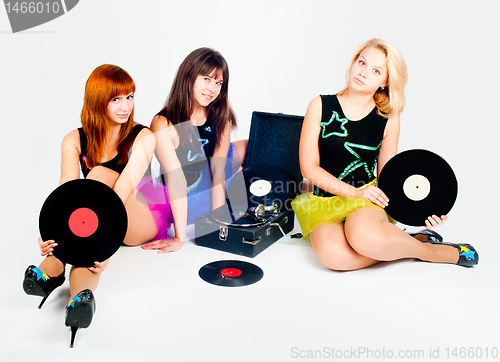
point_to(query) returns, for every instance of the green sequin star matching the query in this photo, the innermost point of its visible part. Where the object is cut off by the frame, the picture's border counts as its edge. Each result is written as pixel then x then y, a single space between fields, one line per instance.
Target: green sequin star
pixel 358 163
pixel 334 117
pixel 348 146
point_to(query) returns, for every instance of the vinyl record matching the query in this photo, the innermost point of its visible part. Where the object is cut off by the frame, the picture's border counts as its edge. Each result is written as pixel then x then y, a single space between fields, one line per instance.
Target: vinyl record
pixel 264 184
pixel 231 273
pixel 87 220
pixel 419 184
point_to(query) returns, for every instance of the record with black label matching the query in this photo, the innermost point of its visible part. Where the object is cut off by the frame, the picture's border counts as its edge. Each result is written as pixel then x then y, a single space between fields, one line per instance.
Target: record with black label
pixel 419 184
pixel 87 220
pixel 261 184
pixel 231 273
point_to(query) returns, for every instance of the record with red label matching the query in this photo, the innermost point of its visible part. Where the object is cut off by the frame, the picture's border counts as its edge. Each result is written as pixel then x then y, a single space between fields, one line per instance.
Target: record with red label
pixel 419 184
pixel 87 220
pixel 231 273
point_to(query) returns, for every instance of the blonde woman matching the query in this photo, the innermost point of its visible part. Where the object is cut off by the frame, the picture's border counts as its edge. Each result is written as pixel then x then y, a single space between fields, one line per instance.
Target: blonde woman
pixel 345 142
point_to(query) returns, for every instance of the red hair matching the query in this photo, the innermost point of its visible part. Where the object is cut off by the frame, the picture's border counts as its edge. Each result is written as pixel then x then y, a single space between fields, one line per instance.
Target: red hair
pixel 105 83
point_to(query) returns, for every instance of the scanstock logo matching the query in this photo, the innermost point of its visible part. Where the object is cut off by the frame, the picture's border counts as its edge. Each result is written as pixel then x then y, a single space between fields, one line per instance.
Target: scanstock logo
pixel 28 14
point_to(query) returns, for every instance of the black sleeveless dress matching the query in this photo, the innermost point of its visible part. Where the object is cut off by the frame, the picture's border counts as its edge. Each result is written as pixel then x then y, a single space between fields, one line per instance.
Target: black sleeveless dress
pixel 197 155
pixel 112 164
pixel 194 157
pixel 349 151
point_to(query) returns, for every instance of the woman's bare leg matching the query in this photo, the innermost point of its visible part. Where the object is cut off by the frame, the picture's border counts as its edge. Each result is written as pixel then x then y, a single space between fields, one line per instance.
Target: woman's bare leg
pixel 81 278
pixel 141 225
pixel 52 266
pixel 334 252
pixel 370 233
pixel 141 228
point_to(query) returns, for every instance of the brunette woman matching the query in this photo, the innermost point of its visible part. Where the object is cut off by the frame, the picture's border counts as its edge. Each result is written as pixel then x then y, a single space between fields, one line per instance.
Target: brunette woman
pixel 193 142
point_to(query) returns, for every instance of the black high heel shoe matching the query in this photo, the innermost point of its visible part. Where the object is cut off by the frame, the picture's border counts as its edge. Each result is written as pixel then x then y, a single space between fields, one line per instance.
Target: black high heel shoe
pixel 36 282
pixel 467 255
pixel 79 312
pixel 430 234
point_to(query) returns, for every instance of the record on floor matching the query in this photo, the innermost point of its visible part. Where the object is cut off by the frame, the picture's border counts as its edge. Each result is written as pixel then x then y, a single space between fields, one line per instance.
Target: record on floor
pixel 419 184
pixel 87 220
pixel 231 273
pixel 261 184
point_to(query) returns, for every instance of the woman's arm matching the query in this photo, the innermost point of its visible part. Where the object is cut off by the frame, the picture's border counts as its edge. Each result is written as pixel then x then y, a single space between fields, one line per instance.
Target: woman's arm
pixel 389 146
pixel 176 181
pixel 70 170
pixel 217 166
pixel 70 153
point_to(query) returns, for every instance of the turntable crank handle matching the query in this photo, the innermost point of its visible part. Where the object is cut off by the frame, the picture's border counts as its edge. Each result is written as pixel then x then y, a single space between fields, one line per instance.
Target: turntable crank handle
pixel 268 232
pixel 279 226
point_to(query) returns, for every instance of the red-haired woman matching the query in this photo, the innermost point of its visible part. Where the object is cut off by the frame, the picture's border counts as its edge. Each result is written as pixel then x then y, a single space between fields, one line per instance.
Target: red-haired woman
pixel 111 148
pixel 193 142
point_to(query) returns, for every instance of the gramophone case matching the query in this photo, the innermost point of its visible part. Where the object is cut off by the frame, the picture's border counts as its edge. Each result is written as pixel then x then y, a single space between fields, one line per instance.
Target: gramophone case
pixel 273 140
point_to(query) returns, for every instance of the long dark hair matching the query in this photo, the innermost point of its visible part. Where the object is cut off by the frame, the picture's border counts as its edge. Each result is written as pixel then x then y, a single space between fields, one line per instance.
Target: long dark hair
pixel 180 104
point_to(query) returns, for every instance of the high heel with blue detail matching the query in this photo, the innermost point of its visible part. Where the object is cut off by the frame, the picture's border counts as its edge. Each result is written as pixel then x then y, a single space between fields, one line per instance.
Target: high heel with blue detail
pixel 36 282
pixel 467 255
pixel 79 312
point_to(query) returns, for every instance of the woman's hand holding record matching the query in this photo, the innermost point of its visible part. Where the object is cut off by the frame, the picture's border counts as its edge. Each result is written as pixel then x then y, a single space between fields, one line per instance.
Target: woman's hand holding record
pixel 375 195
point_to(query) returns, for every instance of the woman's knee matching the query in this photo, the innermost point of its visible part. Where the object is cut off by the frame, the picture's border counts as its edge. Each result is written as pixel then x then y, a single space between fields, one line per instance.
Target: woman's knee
pixel 335 260
pixel 104 175
pixel 365 242
pixel 364 234
pixel 332 250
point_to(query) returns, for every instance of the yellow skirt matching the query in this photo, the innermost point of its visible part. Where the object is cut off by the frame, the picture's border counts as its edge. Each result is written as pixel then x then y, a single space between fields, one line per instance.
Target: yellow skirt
pixel 313 211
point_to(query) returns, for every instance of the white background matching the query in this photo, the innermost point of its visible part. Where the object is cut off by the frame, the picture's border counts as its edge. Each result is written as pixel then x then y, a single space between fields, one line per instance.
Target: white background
pixel 281 54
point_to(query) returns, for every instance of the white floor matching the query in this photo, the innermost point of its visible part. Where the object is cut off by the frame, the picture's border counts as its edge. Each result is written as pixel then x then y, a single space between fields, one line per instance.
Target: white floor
pixel 282 54
pixel 156 307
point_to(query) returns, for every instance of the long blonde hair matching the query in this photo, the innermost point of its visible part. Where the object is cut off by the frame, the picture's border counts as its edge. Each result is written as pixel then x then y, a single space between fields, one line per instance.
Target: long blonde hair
pixel 391 99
